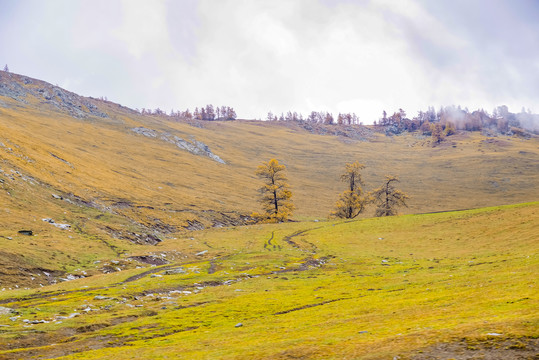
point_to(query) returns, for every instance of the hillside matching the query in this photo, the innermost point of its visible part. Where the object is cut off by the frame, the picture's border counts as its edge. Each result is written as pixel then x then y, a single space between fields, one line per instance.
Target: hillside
pixel 456 285
pixel 116 178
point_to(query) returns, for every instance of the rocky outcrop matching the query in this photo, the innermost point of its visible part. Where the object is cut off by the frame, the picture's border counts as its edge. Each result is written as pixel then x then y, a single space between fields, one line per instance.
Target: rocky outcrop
pixel 22 88
pixel 193 146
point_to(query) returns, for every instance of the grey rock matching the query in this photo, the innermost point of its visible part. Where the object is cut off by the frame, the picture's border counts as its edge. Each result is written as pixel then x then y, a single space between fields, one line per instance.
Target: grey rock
pixel 201 253
pixel 144 131
pixel 62 226
pixel 6 310
pixel 175 271
pixel 238 325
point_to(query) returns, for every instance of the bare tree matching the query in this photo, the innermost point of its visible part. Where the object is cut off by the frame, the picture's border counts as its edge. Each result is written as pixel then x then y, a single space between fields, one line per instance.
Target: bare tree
pixel 387 198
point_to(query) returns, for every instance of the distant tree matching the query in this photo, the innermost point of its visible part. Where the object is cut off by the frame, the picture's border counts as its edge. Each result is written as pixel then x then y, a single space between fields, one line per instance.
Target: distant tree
pixel 328 119
pixel 276 195
pixel 437 132
pixel 351 202
pixel 387 198
pixel 6 69
pixel 270 116
pixel 312 116
pixel 425 128
pixel 230 114
pixel 223 112
pixel 449 129
pixel 210 113
pixel 196 114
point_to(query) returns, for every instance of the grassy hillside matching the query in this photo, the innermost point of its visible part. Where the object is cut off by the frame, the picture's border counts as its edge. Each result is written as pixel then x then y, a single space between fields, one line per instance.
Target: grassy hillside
pixel 120 238
pixel 457 283
pixel 79 162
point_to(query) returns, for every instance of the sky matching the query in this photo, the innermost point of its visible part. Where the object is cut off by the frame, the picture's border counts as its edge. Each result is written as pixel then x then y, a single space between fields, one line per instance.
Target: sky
pixel 281 55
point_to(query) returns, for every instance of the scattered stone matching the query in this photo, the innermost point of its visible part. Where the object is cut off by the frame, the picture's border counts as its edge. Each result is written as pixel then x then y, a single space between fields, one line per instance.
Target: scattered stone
pixel 57 197
pixel 6 310
pixel 494 334
pixel 101 297
pixel 238 325
pixel 156 275
pixel 149 259
pixel 26 232
pixel 363 332
pixel 384 261
pixel 175 271
pixel 201 253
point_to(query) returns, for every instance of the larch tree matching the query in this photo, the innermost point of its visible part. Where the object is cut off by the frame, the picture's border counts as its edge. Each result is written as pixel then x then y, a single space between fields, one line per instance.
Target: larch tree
pixel 387 198
pixel 351 202
pixel 438 134
pixel 276 195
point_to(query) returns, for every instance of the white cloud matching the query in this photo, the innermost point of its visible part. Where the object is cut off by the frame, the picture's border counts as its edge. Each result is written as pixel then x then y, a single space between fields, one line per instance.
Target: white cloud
pixel 279 55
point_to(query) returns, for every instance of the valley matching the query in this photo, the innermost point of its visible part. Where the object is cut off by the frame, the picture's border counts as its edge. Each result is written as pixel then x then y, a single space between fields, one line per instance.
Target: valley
pixel 126 235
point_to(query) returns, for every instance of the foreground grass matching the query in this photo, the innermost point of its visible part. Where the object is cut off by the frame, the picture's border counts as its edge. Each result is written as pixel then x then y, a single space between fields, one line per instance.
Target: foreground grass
pixel 373 288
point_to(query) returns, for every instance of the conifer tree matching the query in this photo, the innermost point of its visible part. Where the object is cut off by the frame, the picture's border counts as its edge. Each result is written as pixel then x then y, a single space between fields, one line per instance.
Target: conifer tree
pixel 276 195
pixel 351 202
pixel 387 198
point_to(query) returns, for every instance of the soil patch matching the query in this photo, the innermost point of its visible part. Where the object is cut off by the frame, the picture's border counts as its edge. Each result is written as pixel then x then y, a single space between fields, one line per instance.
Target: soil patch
pixel 486 349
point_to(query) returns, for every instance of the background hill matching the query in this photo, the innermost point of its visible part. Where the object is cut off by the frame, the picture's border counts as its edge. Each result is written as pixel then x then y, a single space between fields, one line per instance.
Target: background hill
pixel 115 176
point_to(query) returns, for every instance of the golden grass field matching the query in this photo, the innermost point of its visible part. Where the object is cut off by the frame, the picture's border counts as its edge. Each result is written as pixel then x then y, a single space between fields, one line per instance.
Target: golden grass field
pixel 410 286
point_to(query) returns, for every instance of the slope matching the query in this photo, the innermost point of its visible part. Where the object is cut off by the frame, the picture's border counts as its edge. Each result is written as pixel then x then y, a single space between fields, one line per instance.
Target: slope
pixel 120 179
pixel 402 287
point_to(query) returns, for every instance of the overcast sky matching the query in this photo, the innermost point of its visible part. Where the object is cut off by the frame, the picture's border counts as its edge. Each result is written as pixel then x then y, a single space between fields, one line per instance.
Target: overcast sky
pixel 301 55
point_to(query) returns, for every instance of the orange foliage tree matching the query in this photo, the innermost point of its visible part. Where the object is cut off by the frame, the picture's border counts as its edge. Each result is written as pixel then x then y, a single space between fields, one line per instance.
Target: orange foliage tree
pixel 276 195
pixel 351 202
